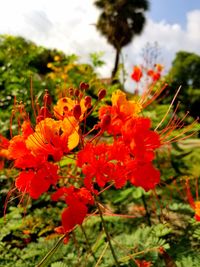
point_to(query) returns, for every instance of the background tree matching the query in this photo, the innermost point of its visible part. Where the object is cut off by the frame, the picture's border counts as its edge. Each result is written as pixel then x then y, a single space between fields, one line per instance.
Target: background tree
pixel 185 71
pixel 120 21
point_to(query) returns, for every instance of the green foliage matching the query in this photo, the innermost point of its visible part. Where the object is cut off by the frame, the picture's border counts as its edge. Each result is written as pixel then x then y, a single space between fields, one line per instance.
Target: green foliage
pixel 96 59
pixel 185 71
pixel 58 264
pixel 21 61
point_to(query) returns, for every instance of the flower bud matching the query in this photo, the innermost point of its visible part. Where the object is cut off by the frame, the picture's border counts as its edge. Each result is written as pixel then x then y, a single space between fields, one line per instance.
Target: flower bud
pixel 83 86
pixel 71 91
pixel 80 95
pixel 101 94
pixel 76 92
pixel 88 101
pixel 77 111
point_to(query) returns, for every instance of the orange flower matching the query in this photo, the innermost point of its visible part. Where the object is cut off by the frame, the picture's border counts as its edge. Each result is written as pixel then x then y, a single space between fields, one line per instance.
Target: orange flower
pixel 54 138
pixel 65 108
pixel 127 107
pixel 121 110
pixel 20 153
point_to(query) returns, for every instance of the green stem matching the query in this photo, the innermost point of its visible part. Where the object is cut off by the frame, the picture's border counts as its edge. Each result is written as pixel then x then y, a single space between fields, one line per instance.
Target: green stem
pixel 45 260
pixel 87 242
pixel 107 234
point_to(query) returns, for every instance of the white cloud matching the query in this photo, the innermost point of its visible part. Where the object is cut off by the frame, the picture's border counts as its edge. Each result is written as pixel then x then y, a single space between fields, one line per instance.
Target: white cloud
pixel 70 26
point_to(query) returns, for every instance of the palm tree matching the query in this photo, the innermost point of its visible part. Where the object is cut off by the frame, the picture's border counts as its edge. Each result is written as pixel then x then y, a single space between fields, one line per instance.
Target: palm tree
pixel 120 21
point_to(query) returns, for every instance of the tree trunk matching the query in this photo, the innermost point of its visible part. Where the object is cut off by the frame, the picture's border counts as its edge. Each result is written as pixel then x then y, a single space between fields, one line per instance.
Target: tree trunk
pixel 116 64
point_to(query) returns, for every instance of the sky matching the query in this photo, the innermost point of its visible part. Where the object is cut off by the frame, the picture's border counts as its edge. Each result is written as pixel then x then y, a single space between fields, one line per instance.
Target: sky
pixel 70 26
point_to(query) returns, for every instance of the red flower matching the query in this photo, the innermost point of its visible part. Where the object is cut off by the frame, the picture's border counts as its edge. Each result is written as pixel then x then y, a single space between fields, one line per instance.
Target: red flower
pixel 22 155
pixel 137 74
pixel 143 174
pixel 23 181
pixel 77 201
pixel 143 263
pixel 155 75
pixel 103 163
pixel 17 148
pixel 73 215
pixel 37 182
pixel 141 140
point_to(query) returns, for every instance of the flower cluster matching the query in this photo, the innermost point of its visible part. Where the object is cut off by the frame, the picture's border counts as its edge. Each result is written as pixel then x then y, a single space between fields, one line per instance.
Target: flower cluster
pixel 129 157
pixel 153 73
pixel 60 132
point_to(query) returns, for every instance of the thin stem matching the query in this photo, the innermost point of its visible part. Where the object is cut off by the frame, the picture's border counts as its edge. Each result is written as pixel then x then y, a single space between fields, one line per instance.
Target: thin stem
pixel 148 216
pixel 87 242
pixel 107 234
pixel 43 262
pixel 103 252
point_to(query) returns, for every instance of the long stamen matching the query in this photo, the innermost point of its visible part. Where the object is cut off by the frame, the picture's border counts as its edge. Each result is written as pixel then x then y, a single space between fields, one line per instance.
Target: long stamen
pixel 177 92
pixel 156 94
pixel 184 131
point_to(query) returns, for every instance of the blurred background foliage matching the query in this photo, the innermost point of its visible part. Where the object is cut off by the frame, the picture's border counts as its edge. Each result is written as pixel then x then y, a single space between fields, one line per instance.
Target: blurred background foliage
pixel 157 219
pixel 185 72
